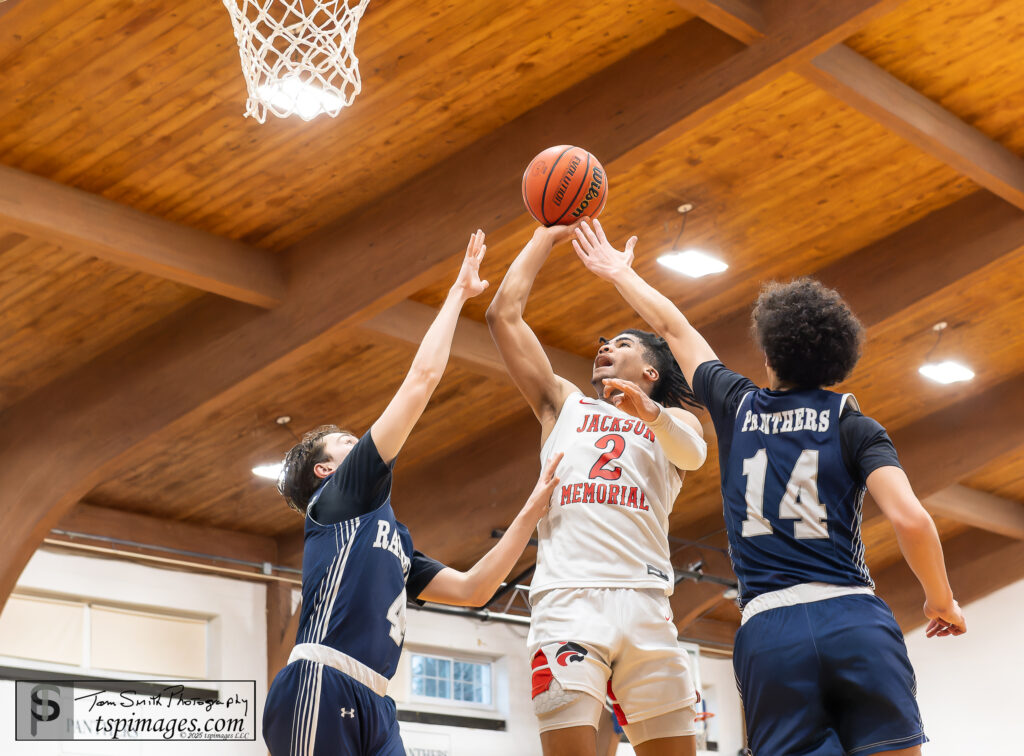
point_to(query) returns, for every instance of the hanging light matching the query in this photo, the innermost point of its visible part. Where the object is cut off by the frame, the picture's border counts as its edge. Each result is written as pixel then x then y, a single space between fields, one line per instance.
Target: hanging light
pixel 946 371
pixel 690 262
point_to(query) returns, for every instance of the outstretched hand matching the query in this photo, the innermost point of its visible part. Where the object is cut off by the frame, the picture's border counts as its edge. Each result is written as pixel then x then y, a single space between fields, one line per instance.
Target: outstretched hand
pixel 597 253
pixel 468 283
pixel 631 399
pixel 945 621
pixel 540 499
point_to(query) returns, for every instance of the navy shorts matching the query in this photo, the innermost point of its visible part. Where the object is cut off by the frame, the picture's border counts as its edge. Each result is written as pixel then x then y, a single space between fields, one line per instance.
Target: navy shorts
pixel 828 678
pixel 314 710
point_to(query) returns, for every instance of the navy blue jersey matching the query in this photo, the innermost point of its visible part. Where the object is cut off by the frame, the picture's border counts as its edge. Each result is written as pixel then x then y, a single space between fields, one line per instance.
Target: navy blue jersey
pixel 792 480
pixel 354 572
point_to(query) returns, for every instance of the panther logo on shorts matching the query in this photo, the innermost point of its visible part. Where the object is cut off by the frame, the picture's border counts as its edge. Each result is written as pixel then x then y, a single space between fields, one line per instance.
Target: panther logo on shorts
pixel 570 652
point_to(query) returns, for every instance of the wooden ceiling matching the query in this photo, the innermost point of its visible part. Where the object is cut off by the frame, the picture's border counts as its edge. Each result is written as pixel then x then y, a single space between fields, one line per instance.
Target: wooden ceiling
pixel 175 276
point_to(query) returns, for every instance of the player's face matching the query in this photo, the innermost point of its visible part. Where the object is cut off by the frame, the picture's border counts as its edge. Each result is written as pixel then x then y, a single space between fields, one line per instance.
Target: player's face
pixel 622 357
pixel 336 447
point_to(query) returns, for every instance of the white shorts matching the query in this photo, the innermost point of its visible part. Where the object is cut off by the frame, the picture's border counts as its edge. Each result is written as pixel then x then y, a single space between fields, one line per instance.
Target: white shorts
pixel 618 642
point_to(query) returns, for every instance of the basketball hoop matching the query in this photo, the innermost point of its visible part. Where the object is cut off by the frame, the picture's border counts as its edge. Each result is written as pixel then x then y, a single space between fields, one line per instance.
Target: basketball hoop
pixel 297 61
pixel 703 716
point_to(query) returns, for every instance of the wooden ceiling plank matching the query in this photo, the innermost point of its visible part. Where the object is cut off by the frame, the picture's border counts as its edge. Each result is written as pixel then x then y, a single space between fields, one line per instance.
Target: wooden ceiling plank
pixel 408 321
pixel 185 67
pixel 740 19
pixel 40 121
pixel 855 80
pixel 979 509
pixel 143 139
pixel 84 35
pixel 977 562
pixel 91 224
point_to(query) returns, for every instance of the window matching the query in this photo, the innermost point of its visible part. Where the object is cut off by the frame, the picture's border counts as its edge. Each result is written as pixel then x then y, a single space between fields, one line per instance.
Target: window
pixel 462 682
pixel 78 635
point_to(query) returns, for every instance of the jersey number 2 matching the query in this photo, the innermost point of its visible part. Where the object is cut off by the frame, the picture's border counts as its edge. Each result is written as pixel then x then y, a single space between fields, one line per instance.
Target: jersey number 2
pixel 612 445
pixel 800 502
pixel 396 616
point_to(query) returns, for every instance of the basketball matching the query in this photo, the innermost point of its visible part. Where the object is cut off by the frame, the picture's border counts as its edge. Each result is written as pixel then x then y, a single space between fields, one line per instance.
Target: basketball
pixel 563 184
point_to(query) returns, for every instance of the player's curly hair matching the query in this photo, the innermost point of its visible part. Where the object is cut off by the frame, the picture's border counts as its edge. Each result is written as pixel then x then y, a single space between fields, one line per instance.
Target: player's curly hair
pixel 297 481
pixel 671 390
pixel 808 333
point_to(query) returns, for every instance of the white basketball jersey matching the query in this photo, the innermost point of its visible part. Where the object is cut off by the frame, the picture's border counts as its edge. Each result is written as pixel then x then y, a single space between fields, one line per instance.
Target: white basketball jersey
pixel 608 522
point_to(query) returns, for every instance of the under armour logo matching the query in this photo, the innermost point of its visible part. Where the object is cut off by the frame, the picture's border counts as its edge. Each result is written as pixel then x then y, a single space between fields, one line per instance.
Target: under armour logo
pixel 351 713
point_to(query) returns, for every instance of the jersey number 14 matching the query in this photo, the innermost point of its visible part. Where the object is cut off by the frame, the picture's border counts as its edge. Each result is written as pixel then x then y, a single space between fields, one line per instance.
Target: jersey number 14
pixel 800 502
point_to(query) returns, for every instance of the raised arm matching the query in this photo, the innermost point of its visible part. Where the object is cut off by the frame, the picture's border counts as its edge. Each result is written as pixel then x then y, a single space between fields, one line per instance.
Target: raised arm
pixel 601 258
pixel 517 344
pixel 395 424
pixel 475 586
pixel 921 547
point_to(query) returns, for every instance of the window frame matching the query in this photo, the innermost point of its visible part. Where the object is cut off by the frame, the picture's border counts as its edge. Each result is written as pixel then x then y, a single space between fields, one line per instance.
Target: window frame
pixel 86 668
pixel 451 702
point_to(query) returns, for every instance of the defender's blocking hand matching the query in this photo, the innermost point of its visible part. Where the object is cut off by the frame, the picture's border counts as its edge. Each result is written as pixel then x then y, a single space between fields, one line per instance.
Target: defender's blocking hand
pixel 468 283
pixel 597 253
pixel 540 498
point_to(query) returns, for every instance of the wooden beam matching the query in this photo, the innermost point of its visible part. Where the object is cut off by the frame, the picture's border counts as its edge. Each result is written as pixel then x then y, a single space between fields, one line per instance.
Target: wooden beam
pixel 472 346
pixel 60 442
pixel 977 562
pixel 858 82
pixel 897 272
pixel 89 223
pixel 979 509
pixel 699 606
pixel 282 626
pixel 713 632
pixel 948 445
pixel 7 6
pixel 740 19
pixel 290 545
pixel 799 31
pixel 173 534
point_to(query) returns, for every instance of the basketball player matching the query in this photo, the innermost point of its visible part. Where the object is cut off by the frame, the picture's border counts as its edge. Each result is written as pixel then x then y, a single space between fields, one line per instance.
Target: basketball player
pixel 358 565
pixel 820 661
pixel 601 622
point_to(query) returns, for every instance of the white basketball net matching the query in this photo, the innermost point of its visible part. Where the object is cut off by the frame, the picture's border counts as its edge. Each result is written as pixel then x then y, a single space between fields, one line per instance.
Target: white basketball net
pixel 297 56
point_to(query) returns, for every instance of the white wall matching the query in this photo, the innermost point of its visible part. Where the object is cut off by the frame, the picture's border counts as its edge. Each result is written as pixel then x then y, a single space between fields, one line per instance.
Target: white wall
pixel 970 688
pixel 237 639
pixel 722 699
pixel 503 644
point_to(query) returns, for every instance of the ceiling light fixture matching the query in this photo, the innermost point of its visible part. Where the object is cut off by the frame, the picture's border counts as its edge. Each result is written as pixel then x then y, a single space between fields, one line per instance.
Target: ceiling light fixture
pixel 690 262
pixel 947 371
pixel 270 472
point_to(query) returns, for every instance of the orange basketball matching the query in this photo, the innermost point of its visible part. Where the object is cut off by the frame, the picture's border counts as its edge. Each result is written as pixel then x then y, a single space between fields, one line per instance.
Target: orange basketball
pixel 563 184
